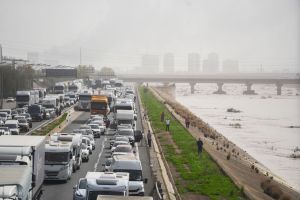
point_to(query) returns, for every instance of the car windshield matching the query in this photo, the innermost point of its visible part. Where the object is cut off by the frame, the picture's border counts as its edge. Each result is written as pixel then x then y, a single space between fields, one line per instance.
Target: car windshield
pixel 4 128
pixel 94 126
pixel 56 157
pixel 11 125
pixel 123 132
pixel 22 98
pixel 22 120
pixel 3 114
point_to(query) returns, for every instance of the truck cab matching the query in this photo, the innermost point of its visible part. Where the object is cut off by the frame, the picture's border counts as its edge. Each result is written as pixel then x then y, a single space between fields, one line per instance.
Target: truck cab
pixel 58 160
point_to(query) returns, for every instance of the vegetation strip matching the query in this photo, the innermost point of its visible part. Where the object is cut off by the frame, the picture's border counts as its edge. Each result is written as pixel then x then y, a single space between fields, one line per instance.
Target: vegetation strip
pixel 49 127
pixel 193 174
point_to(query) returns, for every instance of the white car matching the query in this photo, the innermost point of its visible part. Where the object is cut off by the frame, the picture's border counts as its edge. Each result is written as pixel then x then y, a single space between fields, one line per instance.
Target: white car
pixel 97 130
pixel 5 130
pixel 85 153
pixel 13 125
pixel 87 142
pixel 117 143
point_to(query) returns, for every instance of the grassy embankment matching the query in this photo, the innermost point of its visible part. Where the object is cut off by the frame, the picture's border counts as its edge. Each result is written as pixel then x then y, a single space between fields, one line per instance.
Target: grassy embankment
pixel 45 130
pixel 193 174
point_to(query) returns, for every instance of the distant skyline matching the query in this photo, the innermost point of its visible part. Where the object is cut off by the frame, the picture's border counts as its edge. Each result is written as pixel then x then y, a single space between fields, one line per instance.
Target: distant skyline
pixel 117 33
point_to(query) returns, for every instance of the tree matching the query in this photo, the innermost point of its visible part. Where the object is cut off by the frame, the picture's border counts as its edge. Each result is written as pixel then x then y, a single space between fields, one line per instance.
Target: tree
pixel 107 72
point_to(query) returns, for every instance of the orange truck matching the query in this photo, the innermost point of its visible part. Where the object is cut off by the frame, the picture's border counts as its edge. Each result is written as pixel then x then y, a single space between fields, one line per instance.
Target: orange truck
pixel 99 105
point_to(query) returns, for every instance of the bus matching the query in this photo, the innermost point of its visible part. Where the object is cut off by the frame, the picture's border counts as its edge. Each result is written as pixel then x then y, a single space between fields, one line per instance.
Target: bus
pixel 99 105
pixel 84 101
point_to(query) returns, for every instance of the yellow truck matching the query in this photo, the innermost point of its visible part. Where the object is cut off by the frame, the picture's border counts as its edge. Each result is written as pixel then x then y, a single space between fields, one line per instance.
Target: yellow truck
pixel 99 105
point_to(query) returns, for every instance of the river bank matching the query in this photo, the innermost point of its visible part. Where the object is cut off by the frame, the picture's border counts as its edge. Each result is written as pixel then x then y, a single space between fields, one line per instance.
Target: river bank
pixel 241 167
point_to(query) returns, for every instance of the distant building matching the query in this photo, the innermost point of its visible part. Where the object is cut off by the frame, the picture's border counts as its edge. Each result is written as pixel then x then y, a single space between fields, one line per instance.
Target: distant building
pixel 0 53
pixel 33 57
pixel 230 66
pixel 211 64
pixel 193 62
pixel 150 64
pixel 168 63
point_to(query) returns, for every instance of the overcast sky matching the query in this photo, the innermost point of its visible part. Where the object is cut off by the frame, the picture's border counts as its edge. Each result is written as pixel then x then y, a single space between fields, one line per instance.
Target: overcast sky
pixel 117 32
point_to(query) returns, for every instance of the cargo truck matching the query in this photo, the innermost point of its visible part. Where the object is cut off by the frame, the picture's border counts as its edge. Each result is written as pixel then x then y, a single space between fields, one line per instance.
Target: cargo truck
pixel 22 155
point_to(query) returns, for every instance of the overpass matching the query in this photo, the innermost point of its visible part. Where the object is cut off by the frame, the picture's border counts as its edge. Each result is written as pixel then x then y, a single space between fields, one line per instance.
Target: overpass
pixel 278 79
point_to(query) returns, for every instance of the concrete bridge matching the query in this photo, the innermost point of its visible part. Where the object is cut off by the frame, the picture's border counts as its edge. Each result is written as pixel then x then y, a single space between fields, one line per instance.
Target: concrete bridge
pixel 278 79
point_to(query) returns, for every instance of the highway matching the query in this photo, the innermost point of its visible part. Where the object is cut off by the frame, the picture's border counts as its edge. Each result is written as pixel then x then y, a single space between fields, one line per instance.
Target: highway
pixel 61 190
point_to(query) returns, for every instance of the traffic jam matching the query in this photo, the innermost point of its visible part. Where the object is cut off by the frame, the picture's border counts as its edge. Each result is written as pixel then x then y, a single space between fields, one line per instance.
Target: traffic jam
pixel 29 162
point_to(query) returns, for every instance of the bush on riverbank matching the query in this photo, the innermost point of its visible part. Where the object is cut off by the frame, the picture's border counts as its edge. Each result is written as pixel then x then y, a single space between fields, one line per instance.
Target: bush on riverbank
pixel 192 174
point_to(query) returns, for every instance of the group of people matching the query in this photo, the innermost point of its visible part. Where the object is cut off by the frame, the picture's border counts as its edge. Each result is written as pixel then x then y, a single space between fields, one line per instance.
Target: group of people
pixel 199 142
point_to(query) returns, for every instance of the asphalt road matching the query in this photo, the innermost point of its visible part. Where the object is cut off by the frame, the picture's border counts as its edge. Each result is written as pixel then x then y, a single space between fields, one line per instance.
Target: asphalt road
pixel 60 190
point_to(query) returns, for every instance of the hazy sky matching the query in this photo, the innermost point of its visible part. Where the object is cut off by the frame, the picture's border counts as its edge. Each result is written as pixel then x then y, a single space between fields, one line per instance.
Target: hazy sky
pixel 117 32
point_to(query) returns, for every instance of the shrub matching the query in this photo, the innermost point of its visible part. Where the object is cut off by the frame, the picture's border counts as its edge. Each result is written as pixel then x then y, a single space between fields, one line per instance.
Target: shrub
pixel 228 156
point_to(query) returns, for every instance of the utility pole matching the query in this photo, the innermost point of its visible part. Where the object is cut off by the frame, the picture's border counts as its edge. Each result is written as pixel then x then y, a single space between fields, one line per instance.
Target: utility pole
pixel 80 56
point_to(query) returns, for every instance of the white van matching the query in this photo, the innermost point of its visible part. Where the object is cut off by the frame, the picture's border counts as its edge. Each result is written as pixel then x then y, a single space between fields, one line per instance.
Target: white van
pixel 13 126
pixel 129 163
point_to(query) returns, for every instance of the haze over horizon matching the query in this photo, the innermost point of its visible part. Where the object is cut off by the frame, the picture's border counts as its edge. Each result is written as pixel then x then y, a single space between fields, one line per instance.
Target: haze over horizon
pixel 117 33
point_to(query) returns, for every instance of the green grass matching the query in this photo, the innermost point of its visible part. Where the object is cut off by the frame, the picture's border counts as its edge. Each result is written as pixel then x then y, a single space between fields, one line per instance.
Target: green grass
pixel 45 130
pixel 198 175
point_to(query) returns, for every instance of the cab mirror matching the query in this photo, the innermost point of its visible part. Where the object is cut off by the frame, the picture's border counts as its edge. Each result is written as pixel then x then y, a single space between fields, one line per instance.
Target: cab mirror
pixel 145 180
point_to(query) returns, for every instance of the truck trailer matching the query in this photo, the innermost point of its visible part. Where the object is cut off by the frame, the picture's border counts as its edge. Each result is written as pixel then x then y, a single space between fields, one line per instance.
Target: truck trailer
pixel 28 151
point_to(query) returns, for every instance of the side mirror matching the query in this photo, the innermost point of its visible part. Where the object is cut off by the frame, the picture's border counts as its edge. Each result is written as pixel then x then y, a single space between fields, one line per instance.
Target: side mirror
pixel 74 187
pixel 145 180
pixel 134 151
pixel 71 156
pixel 135 117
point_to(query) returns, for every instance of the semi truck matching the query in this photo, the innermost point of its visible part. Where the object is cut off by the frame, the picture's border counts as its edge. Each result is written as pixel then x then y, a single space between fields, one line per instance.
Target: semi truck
pixel 99 105
pixel 58 160
pixel 24 98
pixel 101 183
pixel 22 160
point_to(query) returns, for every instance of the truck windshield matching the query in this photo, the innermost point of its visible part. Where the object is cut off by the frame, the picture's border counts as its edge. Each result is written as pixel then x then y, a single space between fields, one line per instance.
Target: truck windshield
pixel 59 87
pixel 98 105
pixel 94 194
pixel 34 109
pixel 85 97
pixel 134 175
pixel 123 107
pixel 48 105
pixel 22 98
pixel 123 121
pixel 11 125
pixel 56 157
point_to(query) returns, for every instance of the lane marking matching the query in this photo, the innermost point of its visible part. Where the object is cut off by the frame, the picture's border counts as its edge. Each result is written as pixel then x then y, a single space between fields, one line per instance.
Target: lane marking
pixel 100 153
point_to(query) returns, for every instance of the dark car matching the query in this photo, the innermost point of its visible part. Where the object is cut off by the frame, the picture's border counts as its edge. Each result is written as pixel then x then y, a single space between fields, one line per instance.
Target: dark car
pixel 36 112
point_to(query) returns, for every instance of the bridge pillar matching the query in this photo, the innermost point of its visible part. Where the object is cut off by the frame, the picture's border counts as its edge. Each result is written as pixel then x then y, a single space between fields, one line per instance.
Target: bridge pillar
pixel 279 86
pixel 192 88
pixel 220 89
pixel 249 91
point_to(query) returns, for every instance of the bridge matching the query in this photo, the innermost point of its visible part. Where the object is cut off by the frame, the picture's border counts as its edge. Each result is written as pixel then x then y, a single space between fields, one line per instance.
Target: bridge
pixel 278 79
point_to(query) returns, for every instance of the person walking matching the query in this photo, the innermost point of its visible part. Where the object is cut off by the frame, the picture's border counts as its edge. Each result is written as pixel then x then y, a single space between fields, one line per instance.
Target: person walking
pixel 162 116
pixel 199 146
pixel 149 138
pixel 167 124
pixel 187 122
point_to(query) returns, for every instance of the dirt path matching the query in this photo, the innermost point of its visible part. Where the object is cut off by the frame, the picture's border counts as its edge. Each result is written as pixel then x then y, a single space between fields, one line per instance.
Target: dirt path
pixel 240 167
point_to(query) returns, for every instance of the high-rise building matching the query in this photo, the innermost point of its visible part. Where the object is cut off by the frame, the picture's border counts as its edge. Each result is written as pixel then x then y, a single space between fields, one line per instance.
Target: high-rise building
pixel 230 66
pixel 211 64
pixel 33 57
pixel 168 63
pixel 0 53
pixel 193 62
pixel 150 64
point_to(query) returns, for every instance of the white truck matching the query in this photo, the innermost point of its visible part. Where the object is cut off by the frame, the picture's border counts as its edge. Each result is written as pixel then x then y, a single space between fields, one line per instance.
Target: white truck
pixel 36 96
pixel 76 140
pixel 101 183
pixel 22 167
pixel 124 117
pixel 24 98
pixel 58 160
pixel 129 163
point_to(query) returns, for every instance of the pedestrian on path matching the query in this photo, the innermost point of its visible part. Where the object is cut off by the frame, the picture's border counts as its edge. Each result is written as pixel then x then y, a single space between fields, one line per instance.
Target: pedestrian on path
pixel 187 122
pixel 145 114
pixel 162 116
pixel 199 146
pixel 149 138
pixel 167 124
